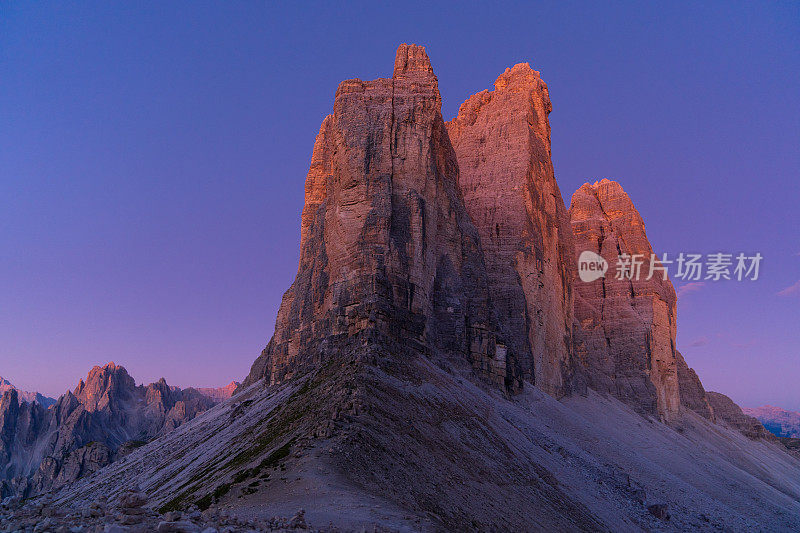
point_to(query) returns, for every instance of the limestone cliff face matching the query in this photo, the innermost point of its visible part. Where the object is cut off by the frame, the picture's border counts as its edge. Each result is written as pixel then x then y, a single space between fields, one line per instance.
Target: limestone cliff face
pixel 44 448
pixel 388 250
pixel 627 326
pixel 502 143
pixel 453 241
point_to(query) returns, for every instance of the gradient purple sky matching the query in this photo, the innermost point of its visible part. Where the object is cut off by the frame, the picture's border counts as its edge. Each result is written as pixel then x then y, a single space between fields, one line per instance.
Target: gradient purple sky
pixel 153 157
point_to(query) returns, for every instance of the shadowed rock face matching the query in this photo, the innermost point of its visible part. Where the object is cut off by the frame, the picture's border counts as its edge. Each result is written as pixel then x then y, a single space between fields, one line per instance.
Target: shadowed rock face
pixel 627 326
pixel 45 448
pixel 502 143
pixel 693 395
pixel 388 251
pixel 730 414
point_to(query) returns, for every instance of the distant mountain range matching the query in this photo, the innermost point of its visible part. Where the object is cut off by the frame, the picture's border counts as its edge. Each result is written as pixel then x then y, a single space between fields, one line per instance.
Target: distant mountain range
pixel 779 421
pixel 44 401
pixel 46 443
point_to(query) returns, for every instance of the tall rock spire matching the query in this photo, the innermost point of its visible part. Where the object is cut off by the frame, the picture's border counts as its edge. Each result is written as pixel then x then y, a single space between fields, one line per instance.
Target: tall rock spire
pixel 628 327
pixel 502 143
pixel 389 254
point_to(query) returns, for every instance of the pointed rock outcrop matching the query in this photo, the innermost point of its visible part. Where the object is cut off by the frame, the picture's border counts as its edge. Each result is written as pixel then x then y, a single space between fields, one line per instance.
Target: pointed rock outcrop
pixel 502 143
pixel 627 326
pixel 389 254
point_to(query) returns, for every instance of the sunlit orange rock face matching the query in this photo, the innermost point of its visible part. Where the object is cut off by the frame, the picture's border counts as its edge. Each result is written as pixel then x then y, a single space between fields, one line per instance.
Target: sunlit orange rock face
pixel 389 255
pixel 627 326
pixel 453 241
pixel 502 143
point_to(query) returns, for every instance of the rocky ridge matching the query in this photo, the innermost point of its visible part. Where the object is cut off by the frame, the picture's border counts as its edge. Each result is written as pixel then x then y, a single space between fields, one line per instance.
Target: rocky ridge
pixel 219 394
pixel 26 396
pixel 366 446
pixel 105 417
pixel 730 414
pixel 129 514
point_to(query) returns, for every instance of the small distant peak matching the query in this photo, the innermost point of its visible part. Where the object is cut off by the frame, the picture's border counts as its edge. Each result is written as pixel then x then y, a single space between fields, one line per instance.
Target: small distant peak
pixel 411 59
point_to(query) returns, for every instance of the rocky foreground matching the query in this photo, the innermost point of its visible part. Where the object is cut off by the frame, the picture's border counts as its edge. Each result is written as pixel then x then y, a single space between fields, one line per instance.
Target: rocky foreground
pixel 130 515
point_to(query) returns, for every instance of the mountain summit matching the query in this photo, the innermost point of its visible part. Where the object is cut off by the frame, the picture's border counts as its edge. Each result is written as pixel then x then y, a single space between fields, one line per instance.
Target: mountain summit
pixel 389 254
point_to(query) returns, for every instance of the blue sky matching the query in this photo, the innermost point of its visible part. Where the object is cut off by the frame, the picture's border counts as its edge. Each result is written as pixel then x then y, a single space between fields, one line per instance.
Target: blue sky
pixel 153 157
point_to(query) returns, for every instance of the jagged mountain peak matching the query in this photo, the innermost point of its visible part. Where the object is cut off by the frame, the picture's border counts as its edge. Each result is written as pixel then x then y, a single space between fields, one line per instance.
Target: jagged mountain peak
pixel 519 74
pixel 105 386
pixel 219 393
pixel 627 325
pixel 608 194
pixel 502 144
pixel 45 448
pixel 26 396
pixel 779 421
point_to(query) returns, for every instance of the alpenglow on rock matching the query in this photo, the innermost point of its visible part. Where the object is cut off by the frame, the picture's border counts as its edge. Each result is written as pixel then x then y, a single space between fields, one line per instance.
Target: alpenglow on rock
pixel 388 251
pixel 627 326
pixel 502 143
pixel 780 422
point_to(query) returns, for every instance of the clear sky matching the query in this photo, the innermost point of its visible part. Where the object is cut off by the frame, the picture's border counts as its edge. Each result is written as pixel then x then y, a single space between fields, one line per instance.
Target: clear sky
pixel 153 157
